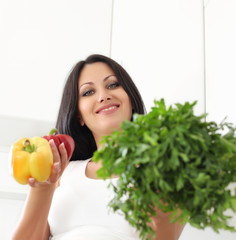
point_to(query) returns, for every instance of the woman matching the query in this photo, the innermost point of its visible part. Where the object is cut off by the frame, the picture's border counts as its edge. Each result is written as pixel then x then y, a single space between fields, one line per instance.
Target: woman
pixel 72 204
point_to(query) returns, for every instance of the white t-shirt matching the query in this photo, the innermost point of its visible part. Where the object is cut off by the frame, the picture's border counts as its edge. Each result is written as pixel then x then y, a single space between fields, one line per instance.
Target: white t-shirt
pixel 79 209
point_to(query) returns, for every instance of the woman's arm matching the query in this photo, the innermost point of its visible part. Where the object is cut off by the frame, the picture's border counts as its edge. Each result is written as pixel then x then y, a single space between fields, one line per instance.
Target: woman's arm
pixel 33 223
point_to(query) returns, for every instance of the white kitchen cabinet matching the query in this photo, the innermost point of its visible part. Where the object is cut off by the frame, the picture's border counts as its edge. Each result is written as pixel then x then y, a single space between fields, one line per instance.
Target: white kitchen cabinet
pixel 221 59
pixel 40 42
pixel 161 45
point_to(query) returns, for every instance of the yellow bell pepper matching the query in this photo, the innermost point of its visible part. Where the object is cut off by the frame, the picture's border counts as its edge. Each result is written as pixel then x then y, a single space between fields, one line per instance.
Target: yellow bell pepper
pixel 31 157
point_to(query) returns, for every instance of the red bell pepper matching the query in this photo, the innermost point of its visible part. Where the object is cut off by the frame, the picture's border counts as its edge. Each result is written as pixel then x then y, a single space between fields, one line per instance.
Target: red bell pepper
pixel 62 138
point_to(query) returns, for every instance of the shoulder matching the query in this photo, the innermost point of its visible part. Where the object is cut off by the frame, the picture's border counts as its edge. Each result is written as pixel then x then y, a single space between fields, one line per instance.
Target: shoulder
pixel 92 168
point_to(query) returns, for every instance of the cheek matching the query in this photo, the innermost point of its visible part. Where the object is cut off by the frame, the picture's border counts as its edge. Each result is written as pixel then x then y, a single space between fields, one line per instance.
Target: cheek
pixel 128 106
pixel 85 108
pixel 82 109
pixel 130 110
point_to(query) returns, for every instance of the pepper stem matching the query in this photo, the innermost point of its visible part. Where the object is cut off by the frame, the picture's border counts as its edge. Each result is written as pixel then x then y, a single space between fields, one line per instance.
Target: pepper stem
pixel 54 131
pixel 28 147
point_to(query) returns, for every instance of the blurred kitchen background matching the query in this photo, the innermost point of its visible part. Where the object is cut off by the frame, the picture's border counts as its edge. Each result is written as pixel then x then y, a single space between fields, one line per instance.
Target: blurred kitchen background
pixel 180 50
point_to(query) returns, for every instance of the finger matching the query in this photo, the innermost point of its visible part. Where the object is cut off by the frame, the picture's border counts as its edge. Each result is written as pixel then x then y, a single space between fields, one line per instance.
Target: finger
pixel 64 157
pixel 56 154
pixel 56 169
pixel 33 182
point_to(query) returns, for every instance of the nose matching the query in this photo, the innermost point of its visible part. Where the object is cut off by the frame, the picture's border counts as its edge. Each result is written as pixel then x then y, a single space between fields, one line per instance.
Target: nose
pixel 104 97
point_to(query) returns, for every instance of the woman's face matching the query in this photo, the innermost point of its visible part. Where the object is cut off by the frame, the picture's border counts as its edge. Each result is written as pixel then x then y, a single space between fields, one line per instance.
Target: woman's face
pixel 103 103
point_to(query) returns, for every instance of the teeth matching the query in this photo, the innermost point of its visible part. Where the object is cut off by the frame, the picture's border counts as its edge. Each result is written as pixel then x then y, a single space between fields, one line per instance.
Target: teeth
pixel 106 109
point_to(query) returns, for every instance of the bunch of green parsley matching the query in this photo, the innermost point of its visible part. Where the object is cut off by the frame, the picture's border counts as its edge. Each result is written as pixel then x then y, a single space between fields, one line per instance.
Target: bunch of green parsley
pixel 173 160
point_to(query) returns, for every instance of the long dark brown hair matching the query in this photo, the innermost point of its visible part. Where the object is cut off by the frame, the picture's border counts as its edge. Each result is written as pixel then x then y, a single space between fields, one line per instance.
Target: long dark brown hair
pixel 67 120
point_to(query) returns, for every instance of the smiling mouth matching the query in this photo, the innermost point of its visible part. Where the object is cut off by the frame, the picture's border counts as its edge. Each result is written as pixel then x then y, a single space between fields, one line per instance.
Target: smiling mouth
pixel 108 109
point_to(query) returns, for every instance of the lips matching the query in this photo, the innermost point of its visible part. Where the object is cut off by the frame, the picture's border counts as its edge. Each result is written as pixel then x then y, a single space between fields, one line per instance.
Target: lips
pixel 108 108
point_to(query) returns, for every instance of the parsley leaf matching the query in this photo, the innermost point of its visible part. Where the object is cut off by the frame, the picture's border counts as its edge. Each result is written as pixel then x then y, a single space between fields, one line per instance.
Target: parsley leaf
pixel 171 159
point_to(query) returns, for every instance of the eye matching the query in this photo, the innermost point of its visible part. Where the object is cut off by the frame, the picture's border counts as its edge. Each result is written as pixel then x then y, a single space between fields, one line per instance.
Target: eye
pixel 113 85
pixel 88 93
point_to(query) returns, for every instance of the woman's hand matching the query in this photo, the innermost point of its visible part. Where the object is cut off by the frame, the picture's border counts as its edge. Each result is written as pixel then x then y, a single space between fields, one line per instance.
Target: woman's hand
pixel 60 161
pixel 163 228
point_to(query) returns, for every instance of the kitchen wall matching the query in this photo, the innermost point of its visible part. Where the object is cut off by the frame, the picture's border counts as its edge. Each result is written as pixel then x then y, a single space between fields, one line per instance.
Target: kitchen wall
pixel 181 50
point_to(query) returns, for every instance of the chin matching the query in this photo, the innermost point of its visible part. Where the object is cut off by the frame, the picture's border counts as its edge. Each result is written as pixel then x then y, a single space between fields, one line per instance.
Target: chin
pixel 111 128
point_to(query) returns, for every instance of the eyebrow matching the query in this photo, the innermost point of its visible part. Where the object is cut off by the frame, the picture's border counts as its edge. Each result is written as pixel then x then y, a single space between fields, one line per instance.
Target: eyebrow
pixel 91 83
